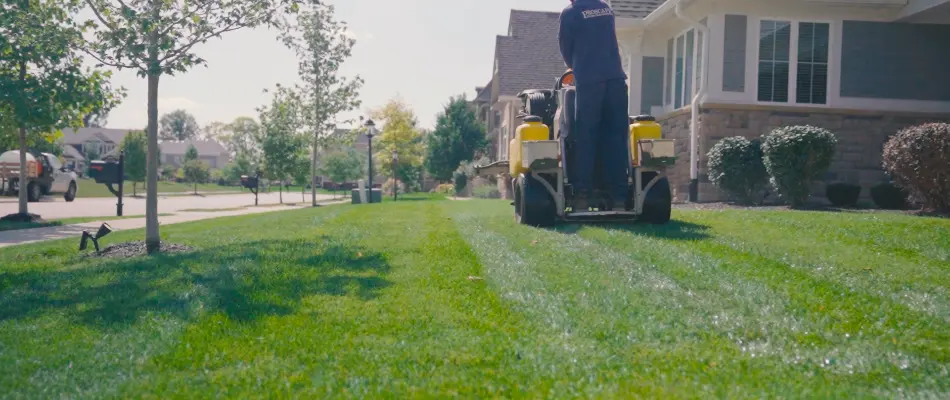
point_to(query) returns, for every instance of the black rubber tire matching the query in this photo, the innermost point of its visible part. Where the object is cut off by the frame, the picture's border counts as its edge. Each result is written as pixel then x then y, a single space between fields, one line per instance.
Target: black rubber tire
pixel 70 193
pixel 33 192
pixel 536 205
pixel 658 205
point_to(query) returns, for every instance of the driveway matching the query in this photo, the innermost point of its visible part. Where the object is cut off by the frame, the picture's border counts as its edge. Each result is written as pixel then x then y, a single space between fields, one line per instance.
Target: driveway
pixel 100 207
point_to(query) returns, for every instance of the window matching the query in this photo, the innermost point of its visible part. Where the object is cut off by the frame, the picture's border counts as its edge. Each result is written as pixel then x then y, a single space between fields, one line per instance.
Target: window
pixel 793 77
pixel 679 86
pixel 812 86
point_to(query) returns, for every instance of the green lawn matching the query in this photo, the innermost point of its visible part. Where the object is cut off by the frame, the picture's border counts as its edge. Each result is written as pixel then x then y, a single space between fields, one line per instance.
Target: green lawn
pixel 6 226
pixel 446 298
pixel 89 188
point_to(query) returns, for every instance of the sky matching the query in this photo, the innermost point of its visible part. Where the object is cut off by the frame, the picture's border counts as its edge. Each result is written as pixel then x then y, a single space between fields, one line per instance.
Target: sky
pixel 422 51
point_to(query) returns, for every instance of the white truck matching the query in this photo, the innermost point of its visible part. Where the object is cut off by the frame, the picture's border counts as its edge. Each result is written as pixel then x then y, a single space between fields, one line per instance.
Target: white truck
pixel 45 176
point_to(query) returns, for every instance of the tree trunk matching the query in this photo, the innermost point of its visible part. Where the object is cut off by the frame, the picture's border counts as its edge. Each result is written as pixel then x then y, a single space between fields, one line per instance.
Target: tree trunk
pixel 313 175
pixel 23 200
pixel 196 188
pixel 134 192
pixel 152 238
pixel 24 209
pixel 280 188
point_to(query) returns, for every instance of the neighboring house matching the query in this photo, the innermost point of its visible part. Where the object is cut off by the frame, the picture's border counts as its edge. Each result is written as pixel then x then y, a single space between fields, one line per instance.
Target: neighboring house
pixel 528 57
pixel 77 143
pixel 863 69
pixel 211 152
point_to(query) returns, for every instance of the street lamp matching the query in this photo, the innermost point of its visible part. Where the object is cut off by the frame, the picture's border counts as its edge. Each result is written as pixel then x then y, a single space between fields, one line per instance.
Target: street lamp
pixel 370 132
pixel 395 165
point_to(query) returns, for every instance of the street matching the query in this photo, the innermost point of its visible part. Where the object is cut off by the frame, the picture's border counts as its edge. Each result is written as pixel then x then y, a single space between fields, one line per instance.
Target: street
pixel 56 208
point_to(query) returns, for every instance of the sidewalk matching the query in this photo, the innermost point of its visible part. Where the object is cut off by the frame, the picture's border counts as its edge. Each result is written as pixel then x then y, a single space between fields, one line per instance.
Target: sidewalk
pixel 25 236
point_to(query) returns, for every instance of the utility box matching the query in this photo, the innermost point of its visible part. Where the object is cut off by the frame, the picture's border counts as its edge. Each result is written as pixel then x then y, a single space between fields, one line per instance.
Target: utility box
pixel 105 172
pixel 376 196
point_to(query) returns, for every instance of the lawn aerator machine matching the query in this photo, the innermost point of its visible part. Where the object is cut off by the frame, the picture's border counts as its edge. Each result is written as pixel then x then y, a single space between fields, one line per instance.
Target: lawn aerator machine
pixel 539 158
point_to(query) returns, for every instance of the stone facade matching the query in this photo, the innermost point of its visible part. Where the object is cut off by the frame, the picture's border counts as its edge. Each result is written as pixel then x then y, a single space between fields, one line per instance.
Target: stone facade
pixel 861 137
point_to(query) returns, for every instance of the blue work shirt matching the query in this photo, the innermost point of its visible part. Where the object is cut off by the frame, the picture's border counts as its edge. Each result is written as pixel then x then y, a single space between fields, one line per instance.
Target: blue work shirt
pixel 588 39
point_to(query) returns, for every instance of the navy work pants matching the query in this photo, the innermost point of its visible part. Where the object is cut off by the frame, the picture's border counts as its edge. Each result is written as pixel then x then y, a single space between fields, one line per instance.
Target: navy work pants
pixel 600 139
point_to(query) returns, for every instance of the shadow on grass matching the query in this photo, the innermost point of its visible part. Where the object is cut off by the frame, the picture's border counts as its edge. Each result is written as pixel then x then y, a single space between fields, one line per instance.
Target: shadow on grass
pixel 246 281
pixel 673 230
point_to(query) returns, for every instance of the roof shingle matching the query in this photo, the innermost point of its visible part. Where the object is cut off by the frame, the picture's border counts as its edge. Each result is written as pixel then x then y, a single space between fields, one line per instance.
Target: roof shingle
pixel 529 58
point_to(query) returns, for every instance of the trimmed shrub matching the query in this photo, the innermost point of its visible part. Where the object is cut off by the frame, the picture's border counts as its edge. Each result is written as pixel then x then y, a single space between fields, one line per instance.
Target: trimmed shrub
pixel 388 187
pixel 486 192
pixel 735 166
pixel 843 194
pixel 796 156
pixel 445 188
pixel 889 196
pixel 918 160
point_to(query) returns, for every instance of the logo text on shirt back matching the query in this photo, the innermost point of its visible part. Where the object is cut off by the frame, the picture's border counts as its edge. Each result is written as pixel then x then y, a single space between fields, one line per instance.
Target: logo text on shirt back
pixel 603 12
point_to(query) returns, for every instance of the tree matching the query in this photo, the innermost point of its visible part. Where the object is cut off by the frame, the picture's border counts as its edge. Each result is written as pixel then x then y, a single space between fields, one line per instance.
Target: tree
pixel 322 45
pixel 178 125
pixel 156 38
pixel 133 146
pixel 241 165
pixel 92 154
pixel 195 172
pixel 191 154
pixel 244 138
pixel 43 86
pixel 283 144
pixel 343 165
pixel 457 138
pixel 400 132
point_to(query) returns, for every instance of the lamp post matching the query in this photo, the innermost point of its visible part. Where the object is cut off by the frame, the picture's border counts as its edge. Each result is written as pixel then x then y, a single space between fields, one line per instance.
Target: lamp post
pixel 370 132
pixel 395 165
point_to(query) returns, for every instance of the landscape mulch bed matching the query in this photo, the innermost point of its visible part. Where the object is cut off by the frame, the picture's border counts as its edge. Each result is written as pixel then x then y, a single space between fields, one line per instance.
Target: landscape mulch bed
pixel 135 249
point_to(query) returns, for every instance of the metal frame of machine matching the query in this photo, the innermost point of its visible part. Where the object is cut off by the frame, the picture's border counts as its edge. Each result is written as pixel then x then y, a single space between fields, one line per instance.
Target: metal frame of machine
pixel 541 192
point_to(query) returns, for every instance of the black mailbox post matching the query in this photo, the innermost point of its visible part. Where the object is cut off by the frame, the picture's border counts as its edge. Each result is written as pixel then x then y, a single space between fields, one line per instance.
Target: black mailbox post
pixel 252 183
pixel 110 173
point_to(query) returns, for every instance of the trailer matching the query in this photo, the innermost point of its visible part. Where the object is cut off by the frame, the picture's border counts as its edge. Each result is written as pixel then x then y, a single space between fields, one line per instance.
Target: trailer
pixel 45 176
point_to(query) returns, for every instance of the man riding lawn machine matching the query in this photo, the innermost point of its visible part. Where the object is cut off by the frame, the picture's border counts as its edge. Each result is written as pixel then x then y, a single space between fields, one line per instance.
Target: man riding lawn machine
pixel 539 161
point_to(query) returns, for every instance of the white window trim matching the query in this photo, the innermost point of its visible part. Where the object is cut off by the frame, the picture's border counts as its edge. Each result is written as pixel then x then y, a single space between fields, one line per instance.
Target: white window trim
pixel 833 61
pixel 670 71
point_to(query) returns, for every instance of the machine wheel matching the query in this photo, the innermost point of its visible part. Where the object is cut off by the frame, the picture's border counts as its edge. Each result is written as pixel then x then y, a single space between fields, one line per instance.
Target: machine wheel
pixel 658 204
pixel 71 192
pixel 534 205
pixel 33 192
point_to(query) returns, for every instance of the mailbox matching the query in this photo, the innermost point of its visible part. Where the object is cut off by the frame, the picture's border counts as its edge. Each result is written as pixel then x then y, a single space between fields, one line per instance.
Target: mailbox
pixel 105 172
pixel 249 182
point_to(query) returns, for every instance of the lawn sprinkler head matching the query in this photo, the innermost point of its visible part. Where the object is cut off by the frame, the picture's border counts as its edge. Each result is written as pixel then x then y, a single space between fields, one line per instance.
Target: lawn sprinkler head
pixel 103 231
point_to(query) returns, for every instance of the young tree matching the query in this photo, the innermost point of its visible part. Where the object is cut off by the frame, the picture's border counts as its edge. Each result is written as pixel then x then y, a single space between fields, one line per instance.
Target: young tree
pixel 322 45
pixel 156 38
pixel 244 138
pixel 457 138
pixel 178 125
pixel 191 154
pixel 133 146
pixel 43 86
pixel 283 144
pixel 195 172
pixel 343 166
pixel 400 132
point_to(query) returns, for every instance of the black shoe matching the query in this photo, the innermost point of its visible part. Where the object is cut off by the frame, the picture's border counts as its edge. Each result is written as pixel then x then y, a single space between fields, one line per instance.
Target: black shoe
pixel 616 205
pixel 581 203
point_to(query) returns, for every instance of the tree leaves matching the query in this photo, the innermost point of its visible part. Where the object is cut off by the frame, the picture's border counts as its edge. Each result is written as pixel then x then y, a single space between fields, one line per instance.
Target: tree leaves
pixel 458 137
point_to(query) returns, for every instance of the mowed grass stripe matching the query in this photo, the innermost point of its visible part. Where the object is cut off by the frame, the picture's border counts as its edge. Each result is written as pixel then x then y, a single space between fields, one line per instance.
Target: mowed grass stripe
pixel 842 330
pixel 756 324
pixel 426 328
pixel 905 277
pixel 636 330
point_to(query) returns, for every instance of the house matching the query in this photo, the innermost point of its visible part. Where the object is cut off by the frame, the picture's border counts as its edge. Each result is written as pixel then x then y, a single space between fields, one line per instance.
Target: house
pixel 527 57
pixel 863 69
pixel 78 143
pixel 211 152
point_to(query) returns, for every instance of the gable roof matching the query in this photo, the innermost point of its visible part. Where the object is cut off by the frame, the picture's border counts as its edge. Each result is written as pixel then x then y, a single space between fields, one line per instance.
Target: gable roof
pixel 634 8
pixel 204 147
pixel 483 94
pixel 529 58
pixel 77 137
